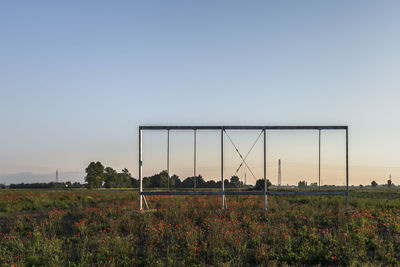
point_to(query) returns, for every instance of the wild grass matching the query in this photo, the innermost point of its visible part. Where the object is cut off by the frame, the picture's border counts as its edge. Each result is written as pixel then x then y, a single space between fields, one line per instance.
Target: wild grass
pixel 100 227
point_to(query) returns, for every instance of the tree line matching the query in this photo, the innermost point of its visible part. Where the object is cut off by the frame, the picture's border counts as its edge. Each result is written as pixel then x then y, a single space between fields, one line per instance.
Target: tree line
pixel 389 183
pixel 50 185
pixel 99 176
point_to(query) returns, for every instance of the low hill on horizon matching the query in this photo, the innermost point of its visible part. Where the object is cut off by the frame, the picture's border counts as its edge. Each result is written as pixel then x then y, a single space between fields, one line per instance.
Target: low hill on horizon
pixel 29 177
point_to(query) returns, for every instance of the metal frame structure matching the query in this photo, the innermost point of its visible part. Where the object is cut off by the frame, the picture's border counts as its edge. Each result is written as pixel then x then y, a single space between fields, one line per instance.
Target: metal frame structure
pixel 223 193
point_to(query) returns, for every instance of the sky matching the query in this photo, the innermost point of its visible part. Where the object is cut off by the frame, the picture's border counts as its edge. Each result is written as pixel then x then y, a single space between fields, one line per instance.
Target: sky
pixel 78 78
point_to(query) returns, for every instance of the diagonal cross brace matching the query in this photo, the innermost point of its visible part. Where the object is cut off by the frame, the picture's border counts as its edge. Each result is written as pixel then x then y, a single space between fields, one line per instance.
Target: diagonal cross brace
pixel 244 159
pixel 240 155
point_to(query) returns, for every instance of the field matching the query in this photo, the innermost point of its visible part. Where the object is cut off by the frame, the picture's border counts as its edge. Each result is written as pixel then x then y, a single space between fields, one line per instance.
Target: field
pixel 100 227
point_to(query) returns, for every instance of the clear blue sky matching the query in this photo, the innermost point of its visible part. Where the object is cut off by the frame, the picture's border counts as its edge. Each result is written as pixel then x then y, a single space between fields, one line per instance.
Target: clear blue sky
pixel 77 78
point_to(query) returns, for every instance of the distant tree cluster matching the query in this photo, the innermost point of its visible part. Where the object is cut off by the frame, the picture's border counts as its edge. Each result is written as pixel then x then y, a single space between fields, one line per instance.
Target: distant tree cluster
pixel 99 176
pixel 161 180
pixel 114 179
pixel 389 183
pixel 302 184
pixel 51 185
pixel 260 184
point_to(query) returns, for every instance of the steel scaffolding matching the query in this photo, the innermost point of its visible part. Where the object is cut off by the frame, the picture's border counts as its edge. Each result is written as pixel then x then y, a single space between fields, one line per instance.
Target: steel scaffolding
pixel 223 193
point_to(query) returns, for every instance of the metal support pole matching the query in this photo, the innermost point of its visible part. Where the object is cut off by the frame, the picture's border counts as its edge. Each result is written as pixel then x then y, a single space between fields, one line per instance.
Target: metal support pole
pixel 168 156
pixel 222 170
pixel 194 158
pixel 140 171
pixel 265 172
pixel 347 168
pixel 319 159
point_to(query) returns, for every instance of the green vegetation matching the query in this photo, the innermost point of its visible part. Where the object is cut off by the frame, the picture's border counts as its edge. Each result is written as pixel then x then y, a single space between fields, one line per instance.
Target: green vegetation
pixel 99 176
pixel 99 227
pixel 95 175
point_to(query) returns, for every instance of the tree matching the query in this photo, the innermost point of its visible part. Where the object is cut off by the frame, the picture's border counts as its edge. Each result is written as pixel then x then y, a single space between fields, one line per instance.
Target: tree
pixel 187 183
pixel 95 175
pixel 134 182
pixel 374 184
pixel 302 184
pixel 210 184
pixel 226 183
pixel 164 177
pixel 146 182
pixel 175 181
pixel 235 182
pixel 200 182
pixel 111 177
pixel 159 180
pixel 124 179
pixel 260 184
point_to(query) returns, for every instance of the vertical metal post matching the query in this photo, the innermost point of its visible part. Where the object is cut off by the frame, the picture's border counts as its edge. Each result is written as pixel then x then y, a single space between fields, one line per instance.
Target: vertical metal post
pixel 222 170
pixel 279 173
pixel 265 172
pixel 140 171
pixel 319 159
pixel 194 159
pixel 168 156
pixel 347 168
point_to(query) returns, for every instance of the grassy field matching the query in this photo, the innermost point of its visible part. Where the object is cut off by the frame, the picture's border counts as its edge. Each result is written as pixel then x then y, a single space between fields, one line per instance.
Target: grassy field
pixel 100 227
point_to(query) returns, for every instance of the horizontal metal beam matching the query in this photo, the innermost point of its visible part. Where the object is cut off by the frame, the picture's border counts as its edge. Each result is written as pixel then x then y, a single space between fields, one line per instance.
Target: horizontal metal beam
pixel 243 193
pixel 164 193
pixel 289 193
pixel 166 127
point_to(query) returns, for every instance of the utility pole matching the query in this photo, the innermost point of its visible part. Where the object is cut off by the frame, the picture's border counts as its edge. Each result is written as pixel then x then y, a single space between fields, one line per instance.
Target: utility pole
pixel 57 176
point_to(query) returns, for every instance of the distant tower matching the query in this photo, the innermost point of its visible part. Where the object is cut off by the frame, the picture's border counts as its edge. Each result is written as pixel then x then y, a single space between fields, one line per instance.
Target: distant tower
pixel 245 179
pixel 56 176
pixel 279 172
